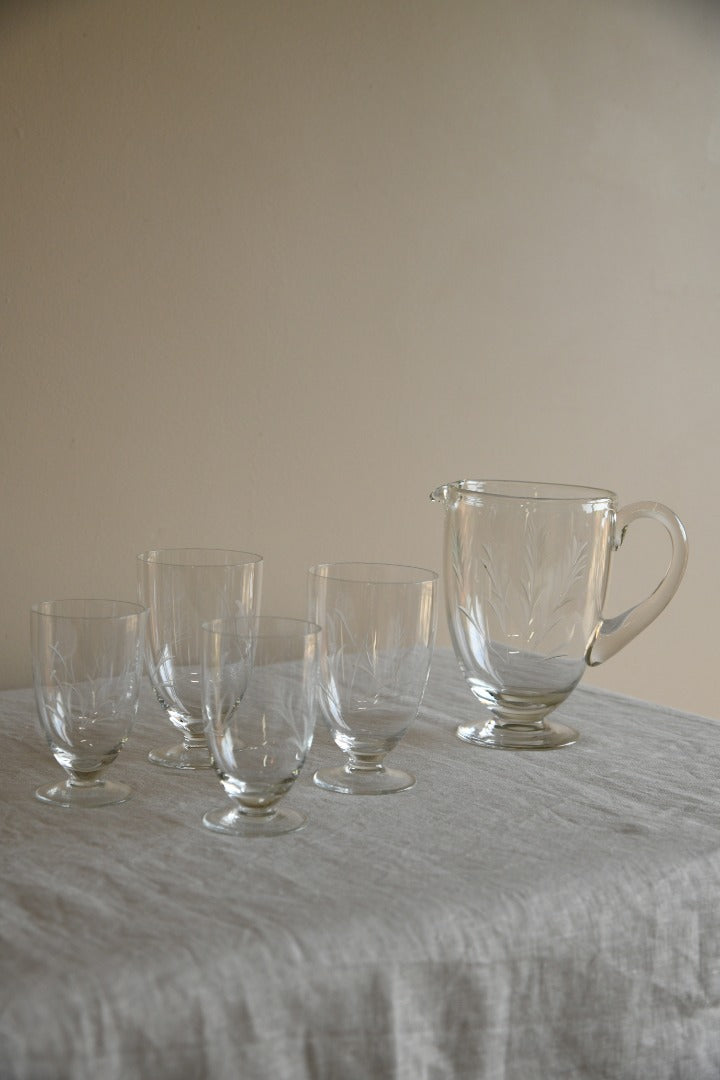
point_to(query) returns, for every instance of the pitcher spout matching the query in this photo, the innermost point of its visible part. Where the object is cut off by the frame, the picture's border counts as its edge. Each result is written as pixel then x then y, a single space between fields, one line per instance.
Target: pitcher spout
pixel 442 494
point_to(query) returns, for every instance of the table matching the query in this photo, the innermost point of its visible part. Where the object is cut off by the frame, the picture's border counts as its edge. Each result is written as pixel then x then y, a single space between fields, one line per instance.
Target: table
pixel 514 915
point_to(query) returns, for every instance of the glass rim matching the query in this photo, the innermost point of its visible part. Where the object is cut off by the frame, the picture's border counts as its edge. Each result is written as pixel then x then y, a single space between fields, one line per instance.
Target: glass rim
pixel 522 490
pixel 126 609
pixel 224 627
pixel 421 575
pixel 173 556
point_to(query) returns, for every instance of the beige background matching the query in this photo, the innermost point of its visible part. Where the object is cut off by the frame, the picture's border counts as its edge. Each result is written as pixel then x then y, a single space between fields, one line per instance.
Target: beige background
pixel 272 271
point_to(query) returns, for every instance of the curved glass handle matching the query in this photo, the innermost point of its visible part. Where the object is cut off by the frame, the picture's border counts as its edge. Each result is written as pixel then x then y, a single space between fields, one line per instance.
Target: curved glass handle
pixel 612 634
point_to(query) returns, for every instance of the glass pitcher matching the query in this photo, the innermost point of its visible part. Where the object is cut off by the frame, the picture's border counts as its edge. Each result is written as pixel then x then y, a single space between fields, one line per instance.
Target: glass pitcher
pixel 526 568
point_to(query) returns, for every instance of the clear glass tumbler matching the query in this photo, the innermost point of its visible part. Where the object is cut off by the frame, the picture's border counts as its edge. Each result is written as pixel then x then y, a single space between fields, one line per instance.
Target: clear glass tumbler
pixel 378 625
pixel 259 698
pixel 87 662
pixel 183 588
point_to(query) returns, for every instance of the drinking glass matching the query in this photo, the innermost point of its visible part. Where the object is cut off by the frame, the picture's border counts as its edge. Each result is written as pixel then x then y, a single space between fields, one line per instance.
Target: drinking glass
pixel 183 588
pixel 87 662
pixel 259 693
pixel 526 572
pixel 378 625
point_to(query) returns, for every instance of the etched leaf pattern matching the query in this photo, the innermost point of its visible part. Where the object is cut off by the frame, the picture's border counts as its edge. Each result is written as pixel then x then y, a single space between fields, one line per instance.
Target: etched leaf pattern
pixel 93 696
pixel 80 709
pixel 365 670
pixel 173 647
pixel 528 597
pixel 374 658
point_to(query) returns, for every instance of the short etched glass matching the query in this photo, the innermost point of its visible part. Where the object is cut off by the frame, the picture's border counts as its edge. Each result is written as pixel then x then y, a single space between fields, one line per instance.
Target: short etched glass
pixel 259 703
pixel 87 662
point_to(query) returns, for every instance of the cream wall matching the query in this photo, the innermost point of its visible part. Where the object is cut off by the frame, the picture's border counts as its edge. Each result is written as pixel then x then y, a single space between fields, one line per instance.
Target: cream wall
pixel 272 271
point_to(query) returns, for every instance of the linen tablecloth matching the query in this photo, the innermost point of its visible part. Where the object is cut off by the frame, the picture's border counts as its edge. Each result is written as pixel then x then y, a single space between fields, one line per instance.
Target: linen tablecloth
pixel 514 915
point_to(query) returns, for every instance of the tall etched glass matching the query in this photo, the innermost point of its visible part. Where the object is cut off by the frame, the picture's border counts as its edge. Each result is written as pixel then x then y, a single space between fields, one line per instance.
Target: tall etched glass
pixel 183 588
pixel 378 625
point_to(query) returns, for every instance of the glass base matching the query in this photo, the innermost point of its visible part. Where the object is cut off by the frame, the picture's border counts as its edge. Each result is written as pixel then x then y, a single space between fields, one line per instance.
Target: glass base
pixel 545 736
pixel 346 781
pixel 181 756
pixel 101 793
pixel 235 822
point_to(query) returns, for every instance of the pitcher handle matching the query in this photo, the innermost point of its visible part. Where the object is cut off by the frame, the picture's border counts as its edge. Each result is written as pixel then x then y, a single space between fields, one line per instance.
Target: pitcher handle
pixel 614 633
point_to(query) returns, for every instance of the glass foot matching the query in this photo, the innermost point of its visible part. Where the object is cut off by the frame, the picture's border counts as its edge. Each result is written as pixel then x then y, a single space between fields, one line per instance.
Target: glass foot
pixel 347 781
pixel 545 736
pixel 100 793
pixel 181 756
pixel 237 822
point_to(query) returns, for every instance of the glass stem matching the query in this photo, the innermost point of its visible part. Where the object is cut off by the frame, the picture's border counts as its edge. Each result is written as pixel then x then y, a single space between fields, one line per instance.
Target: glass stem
pixel 241 810
pixel 194 742
pixel 365 763
pixel 84 781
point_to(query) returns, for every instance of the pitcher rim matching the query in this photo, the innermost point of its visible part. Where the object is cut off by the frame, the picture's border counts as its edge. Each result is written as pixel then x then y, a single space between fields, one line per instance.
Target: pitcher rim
pixel 522 490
